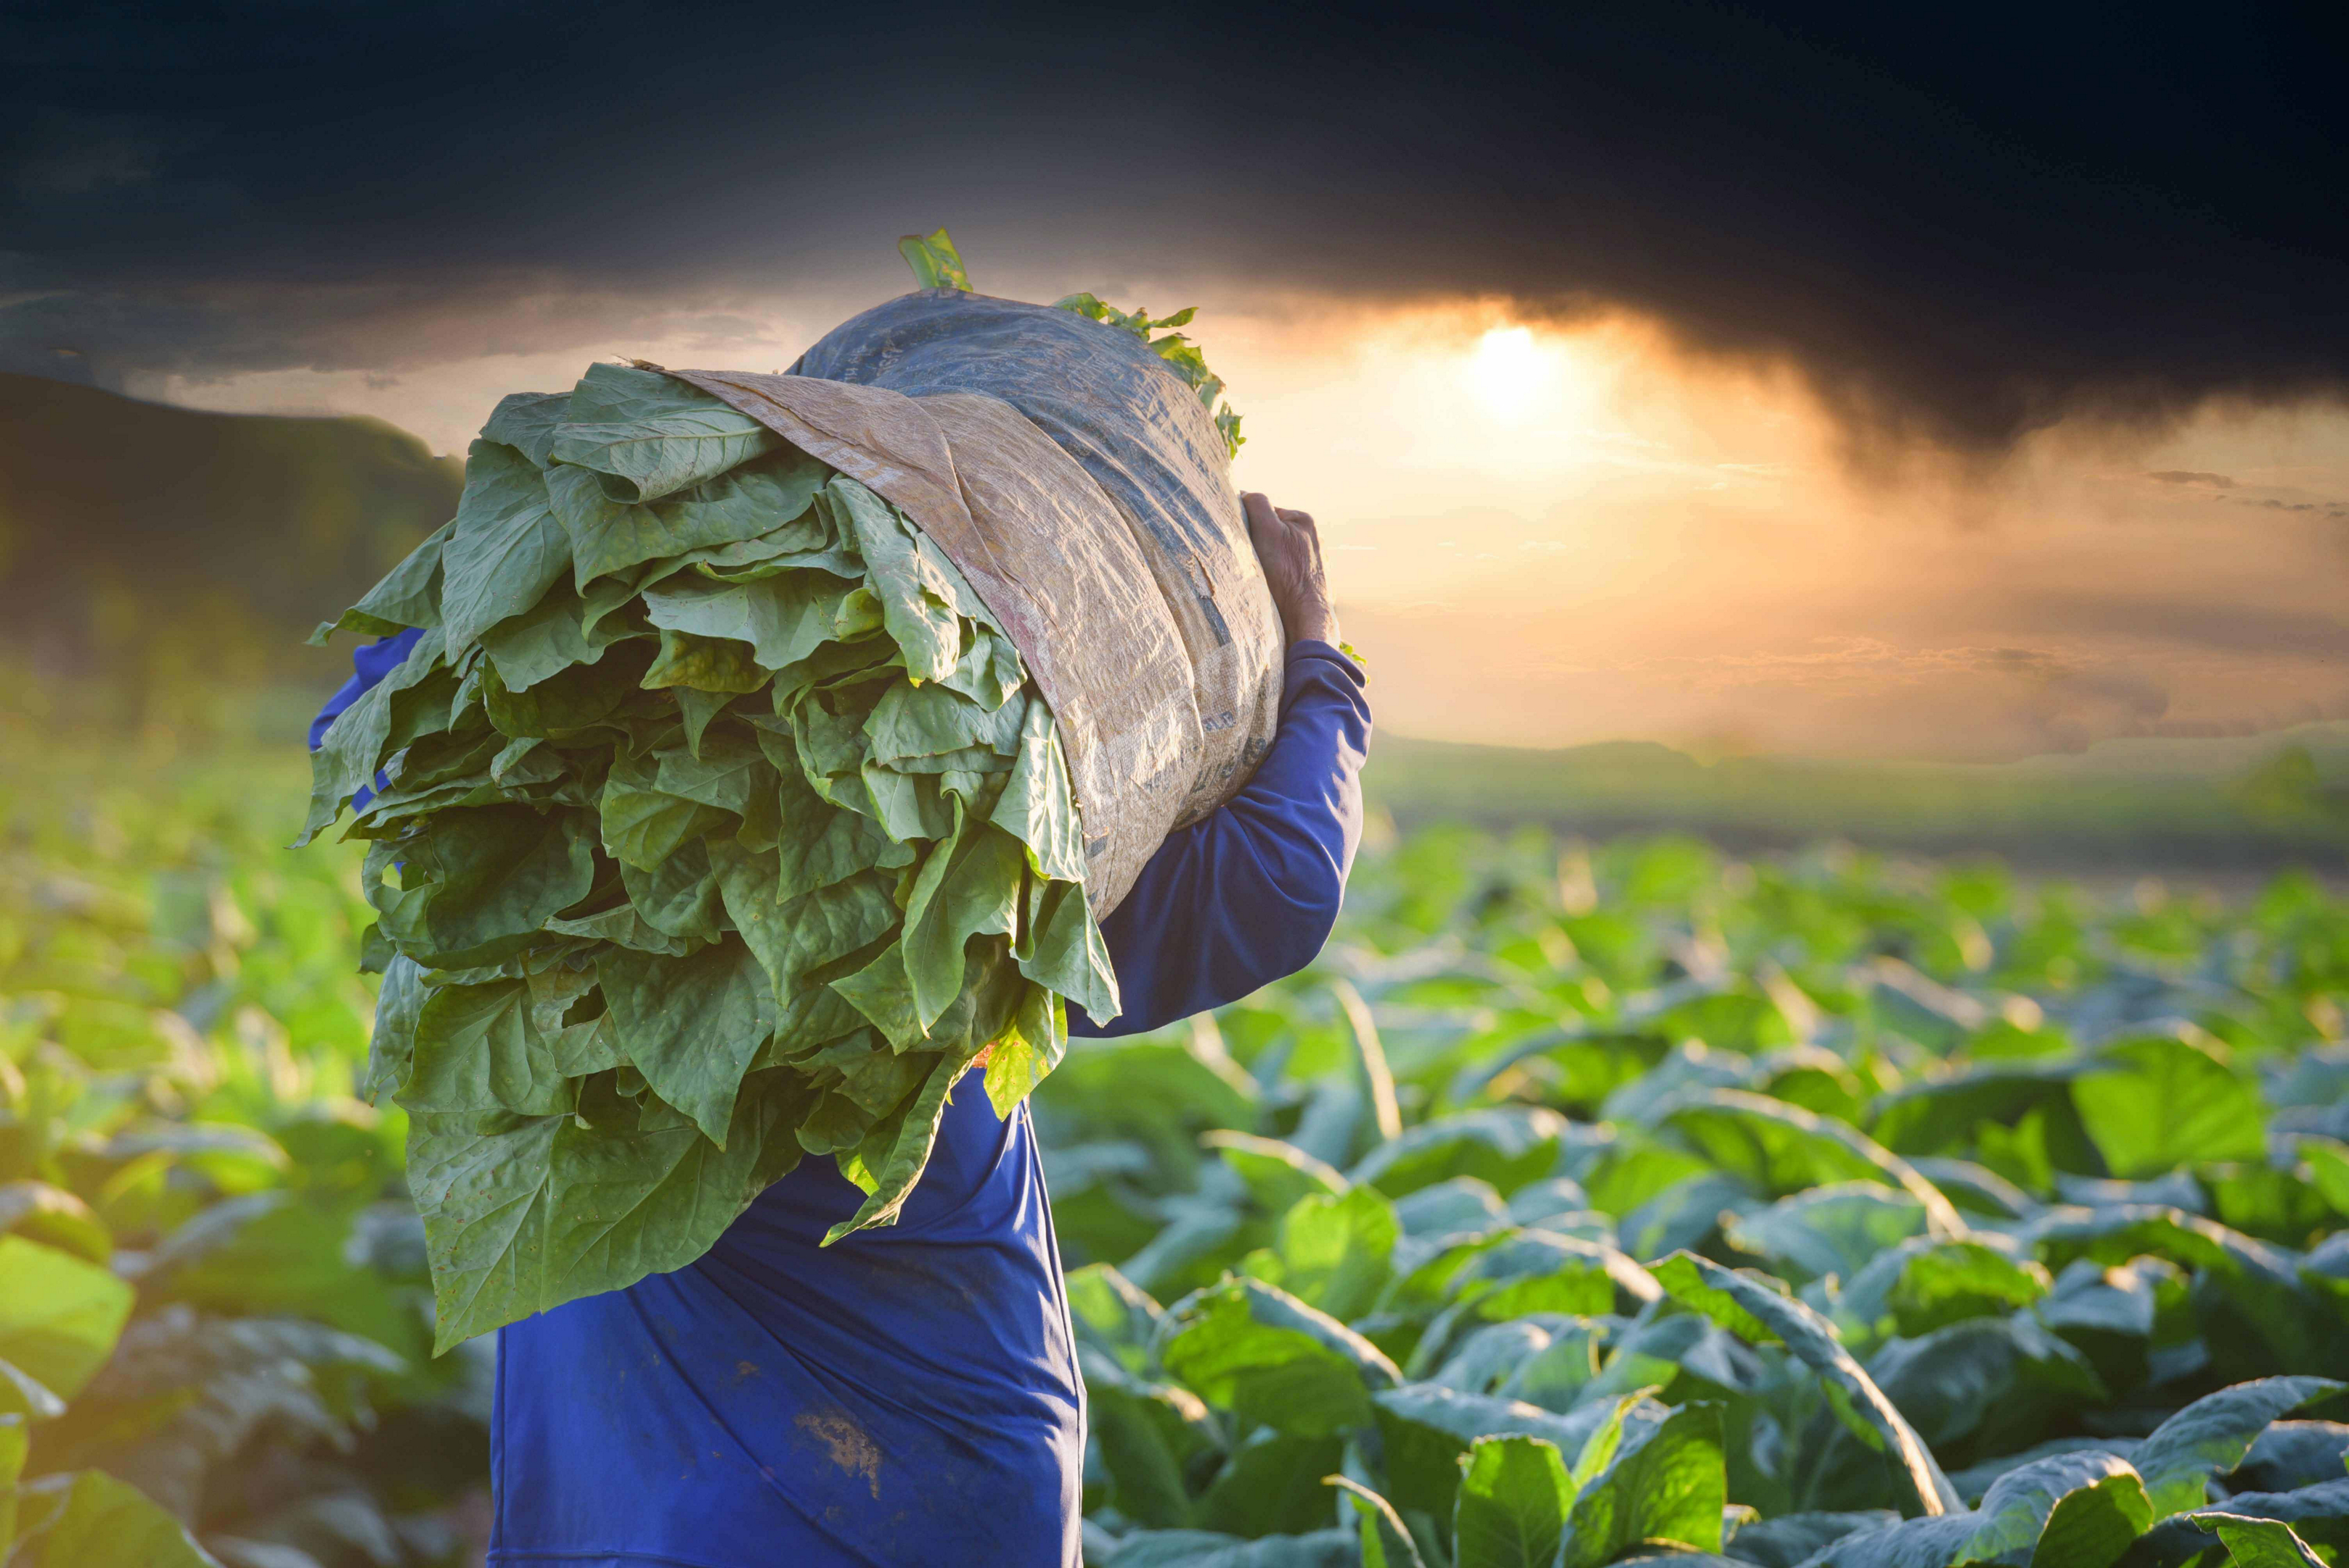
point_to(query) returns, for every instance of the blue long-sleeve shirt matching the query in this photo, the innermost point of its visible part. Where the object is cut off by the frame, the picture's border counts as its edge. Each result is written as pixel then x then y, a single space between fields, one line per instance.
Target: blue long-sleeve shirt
pixel 909 1394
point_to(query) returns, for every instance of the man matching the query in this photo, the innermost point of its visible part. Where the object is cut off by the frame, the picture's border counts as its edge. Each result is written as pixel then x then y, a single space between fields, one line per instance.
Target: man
pixel 911 1395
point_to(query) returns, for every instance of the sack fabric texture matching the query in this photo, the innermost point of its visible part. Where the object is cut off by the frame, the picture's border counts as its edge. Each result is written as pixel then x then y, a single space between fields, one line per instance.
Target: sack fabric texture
pixel 1084 490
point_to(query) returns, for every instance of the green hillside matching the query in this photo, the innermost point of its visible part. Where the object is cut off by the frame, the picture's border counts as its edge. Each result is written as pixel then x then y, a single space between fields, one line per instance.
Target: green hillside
pixel 140 544
pixel 2249 800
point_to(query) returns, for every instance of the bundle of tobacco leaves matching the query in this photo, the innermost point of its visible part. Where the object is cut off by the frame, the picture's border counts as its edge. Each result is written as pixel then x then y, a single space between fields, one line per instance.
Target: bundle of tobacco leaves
pixel 714 823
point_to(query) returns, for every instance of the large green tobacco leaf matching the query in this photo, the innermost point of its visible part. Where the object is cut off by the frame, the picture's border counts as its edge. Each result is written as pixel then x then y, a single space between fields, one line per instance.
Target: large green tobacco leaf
pixel 2069 1511
pixel 708 665
pixel 1060 946
pixel 2157 1103
pixel 504 550
pixel 1537 1271
pixel 660 449
pixel 1684 1354
pixel 1555 1374
pixel 1425 1430
pixel 2259 1543
pixel 1952 1281
pixel 645 826
pixel 271 1252
pixel 2318 1513
pixel 782 619
pixel 916 585
pixel 2212 1435
pixel 1268 1357
pixel 2251 1294
pixel 525 1213
pixel 2292 1454
pixel 570 702
pixel 682 898
pixel 1113 1316
pixel 1923 1284
pixel 554 635
pixel 1514 1499
pixel 472 879
pixel 1947 1112
pixel 189 1391
pixel 891 1158
pixel 1761 1316
pixel 691 1025
pixel 98 1522
pixel 967 887
pixel 2094 1525
pixel 1662 1482
pixel 1275 1174
pixel 527 422
pixel 481 1048
pixel 749 523
pixel 1335 1251
pixel 59 1316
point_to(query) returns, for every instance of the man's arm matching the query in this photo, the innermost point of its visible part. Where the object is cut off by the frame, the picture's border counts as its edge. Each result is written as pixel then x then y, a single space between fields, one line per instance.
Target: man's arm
pixel 1250 894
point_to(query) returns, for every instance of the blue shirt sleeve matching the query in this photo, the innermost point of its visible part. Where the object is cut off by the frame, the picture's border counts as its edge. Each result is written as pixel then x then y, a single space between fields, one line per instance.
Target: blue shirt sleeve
pixel 370 663
pixel 1248 894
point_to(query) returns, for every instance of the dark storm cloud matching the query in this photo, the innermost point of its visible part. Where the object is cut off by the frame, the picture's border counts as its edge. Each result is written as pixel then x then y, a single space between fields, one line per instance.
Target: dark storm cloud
pixel 2213 625
pixel 1960 222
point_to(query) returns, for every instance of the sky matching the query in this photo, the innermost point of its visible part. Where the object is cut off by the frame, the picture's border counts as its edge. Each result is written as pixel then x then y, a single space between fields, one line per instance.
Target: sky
pixel 1847 379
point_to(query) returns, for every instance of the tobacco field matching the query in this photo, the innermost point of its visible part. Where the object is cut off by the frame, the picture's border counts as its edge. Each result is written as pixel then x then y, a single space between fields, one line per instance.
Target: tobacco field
pixel 1585 1205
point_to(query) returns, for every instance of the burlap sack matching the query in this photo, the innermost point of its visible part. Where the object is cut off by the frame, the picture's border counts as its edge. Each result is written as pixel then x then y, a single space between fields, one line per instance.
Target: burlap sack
pixel 1080 487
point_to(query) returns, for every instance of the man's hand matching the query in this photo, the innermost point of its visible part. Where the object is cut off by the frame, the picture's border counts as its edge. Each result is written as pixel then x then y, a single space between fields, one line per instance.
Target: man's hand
pixel 1290 550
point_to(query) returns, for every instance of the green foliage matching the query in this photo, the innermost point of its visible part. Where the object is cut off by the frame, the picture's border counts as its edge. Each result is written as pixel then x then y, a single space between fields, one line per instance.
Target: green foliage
pixel 214 1315
pixel 1797 1212
pixel 1601 1292
pixel 936 262
pixel 1514 1500
pixel 715 823
pixel 1182 356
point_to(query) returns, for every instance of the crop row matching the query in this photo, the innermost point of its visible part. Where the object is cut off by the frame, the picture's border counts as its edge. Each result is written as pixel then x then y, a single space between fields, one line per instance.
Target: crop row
pixel 1580 1207
pixel 1593 1208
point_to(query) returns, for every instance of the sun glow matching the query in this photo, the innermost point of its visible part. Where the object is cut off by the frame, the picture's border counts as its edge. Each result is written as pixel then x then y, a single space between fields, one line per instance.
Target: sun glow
pixel 1425 412
pixel 1513 375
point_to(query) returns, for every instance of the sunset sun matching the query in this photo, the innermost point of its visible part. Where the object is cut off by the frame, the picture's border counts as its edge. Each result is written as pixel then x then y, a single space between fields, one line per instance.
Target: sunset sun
pixel 1512 374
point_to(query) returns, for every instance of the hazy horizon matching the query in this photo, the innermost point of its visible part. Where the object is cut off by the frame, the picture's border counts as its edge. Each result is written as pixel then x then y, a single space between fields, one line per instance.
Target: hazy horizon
pixel 1549 535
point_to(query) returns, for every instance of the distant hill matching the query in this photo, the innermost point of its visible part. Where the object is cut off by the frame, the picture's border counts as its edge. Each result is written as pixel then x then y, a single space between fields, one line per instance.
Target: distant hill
pixel 2241 802
pixel 166 546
